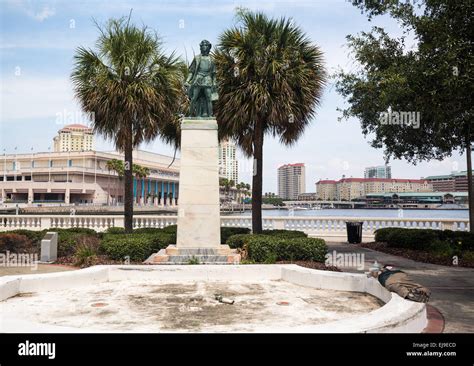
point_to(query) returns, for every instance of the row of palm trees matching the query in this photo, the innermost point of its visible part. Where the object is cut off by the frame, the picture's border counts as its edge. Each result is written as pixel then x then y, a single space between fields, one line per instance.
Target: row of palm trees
pixel 243 189
pixel 270 80
pixel 118 167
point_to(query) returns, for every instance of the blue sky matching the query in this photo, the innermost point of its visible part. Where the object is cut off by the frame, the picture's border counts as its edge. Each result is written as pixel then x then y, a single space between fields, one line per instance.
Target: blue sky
pixel 37 44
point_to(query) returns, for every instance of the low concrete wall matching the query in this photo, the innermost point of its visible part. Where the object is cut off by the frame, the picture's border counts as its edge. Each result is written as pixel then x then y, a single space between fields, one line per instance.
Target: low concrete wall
pixel 397 315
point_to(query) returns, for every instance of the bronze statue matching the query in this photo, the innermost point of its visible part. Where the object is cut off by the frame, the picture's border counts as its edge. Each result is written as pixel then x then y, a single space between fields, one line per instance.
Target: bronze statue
pixel 201 83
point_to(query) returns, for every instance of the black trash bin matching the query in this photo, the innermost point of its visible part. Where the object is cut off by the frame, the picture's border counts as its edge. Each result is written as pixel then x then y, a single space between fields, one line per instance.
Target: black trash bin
pixel 354 232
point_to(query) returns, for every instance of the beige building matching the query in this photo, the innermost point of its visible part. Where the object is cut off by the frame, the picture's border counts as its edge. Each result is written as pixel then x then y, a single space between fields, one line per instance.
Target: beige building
pixel 348 189
pixel 291 181
pixel 326 190
pixel 82 178
pixel 228 164
pixel 74 138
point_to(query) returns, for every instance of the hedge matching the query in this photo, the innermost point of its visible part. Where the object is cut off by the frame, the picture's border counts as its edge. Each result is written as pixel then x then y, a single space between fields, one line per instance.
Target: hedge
pixel 285 233
pixel 17 243
pixel 238 240
pixel 68 239
pixel 227 232
pixel 426 239
pixel 268 249
pixel 138 246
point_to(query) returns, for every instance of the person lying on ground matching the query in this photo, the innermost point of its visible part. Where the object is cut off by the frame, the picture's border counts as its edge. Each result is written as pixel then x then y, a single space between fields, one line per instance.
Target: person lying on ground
pixel 399 282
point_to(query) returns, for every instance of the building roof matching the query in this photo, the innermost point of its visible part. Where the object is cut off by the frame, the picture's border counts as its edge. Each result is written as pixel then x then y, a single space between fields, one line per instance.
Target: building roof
pixel 386 180
pixel 418 194
pixel 326 181
pixel 288 165
pixel 75 126
pixel 447 176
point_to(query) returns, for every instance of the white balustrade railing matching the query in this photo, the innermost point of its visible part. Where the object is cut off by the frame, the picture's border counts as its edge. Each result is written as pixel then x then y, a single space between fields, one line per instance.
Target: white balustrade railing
pixel 324 226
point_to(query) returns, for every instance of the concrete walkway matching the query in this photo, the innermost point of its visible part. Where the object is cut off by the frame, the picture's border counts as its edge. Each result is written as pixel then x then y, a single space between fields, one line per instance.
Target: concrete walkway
pixel 452 288
pixel 42 268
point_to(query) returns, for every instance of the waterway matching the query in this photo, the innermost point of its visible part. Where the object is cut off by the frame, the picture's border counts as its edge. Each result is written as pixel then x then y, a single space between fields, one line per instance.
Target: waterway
pixel 388 213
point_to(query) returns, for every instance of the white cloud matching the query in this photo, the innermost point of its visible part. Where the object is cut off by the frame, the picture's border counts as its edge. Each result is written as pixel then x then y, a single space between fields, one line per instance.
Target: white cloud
pixel 39 12
pixel 45 13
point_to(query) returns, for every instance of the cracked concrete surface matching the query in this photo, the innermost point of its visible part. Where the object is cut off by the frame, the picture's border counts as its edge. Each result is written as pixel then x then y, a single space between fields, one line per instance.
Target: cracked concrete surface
pixel 152 306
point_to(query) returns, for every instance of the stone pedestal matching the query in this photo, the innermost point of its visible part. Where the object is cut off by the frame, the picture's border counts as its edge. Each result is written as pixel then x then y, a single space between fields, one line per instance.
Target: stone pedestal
pixel 199 209
pixel 198 238
pixel 49 247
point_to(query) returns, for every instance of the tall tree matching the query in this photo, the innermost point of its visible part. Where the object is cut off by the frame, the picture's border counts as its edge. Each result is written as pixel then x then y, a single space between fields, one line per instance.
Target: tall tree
pixel 271 78
pixel 133 89
pixel 433 79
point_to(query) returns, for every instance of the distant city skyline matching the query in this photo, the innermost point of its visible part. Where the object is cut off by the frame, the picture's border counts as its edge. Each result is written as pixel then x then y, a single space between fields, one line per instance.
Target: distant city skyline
pixel 36 58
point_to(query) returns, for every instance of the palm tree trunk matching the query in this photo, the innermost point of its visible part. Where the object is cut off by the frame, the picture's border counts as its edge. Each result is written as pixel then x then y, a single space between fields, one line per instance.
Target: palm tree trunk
pixel 470 187
pixel 128 199
pixel 257 179
pixel 108 187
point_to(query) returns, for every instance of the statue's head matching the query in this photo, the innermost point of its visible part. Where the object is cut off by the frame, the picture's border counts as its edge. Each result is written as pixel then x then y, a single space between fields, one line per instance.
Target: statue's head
pixel 205 47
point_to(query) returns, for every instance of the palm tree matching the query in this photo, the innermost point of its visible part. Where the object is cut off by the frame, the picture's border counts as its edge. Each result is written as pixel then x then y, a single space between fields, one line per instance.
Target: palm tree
pixel 238 186
pixel 134 91
pixel 110 166
pixel 140 173
pixel 271 79
pixel 117 167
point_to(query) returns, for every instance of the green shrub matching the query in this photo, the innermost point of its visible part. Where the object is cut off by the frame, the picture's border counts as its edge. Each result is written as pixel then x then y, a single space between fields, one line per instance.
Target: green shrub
pixel 238 240
pixel 426 239
pixel 467 257
pixel 167 236
pixel 442 250
pixel 267 249
pixel 17 243
pixel 305 249
pixel 86 251
pixel 137 246
pixel 227 232
pixel 76 230
pixel 381 235
pixel 115 230
pixel 68 238
pixel 172 229
pixel 417 239
pixel 285 233
pixel 34 236
pixel 464 239
pixel 193 260
pixel 261 248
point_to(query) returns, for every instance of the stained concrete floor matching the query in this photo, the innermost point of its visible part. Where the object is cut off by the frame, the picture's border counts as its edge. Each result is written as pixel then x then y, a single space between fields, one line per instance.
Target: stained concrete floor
pixel 452 288
pixel 152 306
pixel 40 268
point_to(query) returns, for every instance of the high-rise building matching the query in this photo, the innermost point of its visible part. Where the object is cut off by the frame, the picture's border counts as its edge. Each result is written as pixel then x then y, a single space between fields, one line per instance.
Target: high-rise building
pixel 228 164
pixel 381 171
pixel 291 181
pixel 454 182
pixel 74 138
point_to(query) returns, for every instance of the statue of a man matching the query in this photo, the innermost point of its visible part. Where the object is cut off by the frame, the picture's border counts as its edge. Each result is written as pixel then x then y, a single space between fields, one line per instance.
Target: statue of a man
pixel 201 83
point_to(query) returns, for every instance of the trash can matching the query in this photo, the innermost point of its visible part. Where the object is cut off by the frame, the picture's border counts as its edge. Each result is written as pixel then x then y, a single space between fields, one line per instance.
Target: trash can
pixel 354 232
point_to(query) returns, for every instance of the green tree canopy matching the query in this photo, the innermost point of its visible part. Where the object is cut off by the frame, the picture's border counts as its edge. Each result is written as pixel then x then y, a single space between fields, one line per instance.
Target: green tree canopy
pixel 271 78
pixel 434 78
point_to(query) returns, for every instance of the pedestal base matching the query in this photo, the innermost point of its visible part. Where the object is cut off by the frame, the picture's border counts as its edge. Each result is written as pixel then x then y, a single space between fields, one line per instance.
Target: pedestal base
pixel 174 255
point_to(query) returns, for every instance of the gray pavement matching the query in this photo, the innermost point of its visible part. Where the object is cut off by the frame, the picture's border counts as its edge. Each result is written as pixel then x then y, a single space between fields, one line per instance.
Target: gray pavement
pixel 452 288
